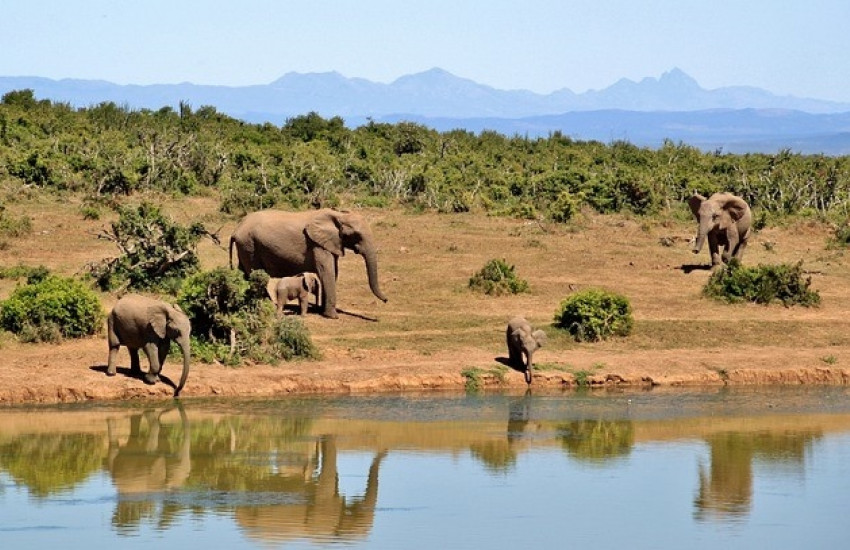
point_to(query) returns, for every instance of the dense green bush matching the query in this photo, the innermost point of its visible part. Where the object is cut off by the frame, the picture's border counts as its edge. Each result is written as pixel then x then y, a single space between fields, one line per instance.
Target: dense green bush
pixel 156 252
pixel 233 319
pixel 51 309
pixel 762 284
pixel 593 314
pixel 497 277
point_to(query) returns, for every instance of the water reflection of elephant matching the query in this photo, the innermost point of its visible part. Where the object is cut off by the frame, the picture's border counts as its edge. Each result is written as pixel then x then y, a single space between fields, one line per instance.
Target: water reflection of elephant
pixel 726 487
pixel 318 512
pixel 499 455
pixel 149 462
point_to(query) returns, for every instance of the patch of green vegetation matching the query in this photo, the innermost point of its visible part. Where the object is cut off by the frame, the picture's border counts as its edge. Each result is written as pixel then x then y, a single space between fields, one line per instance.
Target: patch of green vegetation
pixel 762 284
pixel 50 309
pixel 497 277
pixel 476 376
pixel 233 321
pixel 829 359
pixel 593 314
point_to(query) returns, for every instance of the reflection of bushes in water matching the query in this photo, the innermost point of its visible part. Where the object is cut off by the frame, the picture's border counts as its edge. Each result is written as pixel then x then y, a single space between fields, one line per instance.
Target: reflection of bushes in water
pixel 224 453
pixel 497 456
pixel 726 487
pixel 597 440
pixel 48 464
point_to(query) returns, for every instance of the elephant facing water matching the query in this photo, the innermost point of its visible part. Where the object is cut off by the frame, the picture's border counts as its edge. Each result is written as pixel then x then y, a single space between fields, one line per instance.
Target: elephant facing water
pixel 522 342
pixel 288 243
pixel 139 322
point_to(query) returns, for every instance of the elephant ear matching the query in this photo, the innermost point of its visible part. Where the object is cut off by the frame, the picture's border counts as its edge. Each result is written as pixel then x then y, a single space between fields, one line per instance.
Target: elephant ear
pixel 695 202
pixel 324 232
pixel 736 207
pixel 159 324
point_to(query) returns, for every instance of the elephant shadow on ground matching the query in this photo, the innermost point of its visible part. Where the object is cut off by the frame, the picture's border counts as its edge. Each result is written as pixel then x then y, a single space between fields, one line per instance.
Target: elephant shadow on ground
pixel 138 375
pixel 507 362
pixel 357 315
pixel 687 268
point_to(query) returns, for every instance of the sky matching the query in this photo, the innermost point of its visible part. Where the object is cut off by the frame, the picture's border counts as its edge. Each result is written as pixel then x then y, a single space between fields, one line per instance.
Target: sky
pixel 788 47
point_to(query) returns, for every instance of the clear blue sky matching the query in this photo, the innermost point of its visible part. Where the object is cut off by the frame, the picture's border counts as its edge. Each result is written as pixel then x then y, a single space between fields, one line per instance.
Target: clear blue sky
pixel 796 47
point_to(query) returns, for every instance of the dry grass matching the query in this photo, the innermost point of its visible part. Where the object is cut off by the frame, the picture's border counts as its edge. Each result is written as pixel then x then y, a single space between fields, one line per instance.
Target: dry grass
pixel 426 261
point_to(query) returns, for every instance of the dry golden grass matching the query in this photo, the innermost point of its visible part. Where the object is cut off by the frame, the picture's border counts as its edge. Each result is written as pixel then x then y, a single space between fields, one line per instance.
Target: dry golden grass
pixel 433 321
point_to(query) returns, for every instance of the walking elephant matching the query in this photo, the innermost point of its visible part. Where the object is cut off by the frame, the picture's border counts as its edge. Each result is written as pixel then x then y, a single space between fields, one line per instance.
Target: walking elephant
pixel 299 287
pixel 725 221
pixel 523 341
pixel 139 322
pixel 288 243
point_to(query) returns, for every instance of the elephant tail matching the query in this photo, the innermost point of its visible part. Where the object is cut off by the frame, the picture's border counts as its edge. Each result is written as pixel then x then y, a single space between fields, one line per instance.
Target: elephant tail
pixel 230 252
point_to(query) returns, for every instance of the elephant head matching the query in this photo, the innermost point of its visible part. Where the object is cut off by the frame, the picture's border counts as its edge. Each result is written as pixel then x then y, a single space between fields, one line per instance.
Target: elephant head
pixel 335 231
pixel 724 220
pixel 171 324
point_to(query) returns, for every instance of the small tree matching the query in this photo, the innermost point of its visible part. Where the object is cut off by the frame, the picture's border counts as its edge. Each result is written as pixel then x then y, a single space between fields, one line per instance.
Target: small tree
pixel 50 308
pixel 156 252
pixel 497 277
pixel 594 314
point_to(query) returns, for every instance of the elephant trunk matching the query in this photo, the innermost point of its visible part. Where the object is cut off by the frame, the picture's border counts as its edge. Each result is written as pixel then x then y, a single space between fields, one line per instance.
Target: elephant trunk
pixel 701 234
pixel 371 260
pixel 184 346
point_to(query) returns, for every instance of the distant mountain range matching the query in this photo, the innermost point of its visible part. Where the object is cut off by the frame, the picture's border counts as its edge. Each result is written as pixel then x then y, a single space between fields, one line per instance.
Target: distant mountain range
pixel 646 113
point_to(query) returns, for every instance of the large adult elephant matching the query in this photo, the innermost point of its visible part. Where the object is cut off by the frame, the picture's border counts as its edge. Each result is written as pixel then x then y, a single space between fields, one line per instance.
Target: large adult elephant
pixel 139 322
pixel 724 219
pixel 288 243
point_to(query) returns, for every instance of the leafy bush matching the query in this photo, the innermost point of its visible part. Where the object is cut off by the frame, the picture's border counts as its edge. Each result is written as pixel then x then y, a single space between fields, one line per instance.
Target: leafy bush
pixel 762 284
pixel 234 320
pixel 593 315
pixel 156 253
pixel 496 278
pixel 50 309
pixel 33 274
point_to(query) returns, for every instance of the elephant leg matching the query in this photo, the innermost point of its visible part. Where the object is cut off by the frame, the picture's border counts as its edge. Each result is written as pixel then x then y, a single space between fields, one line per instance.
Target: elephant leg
pixel 303 302
pixel 135 365
pixel 739 251
pixel 152 351
pixel 714 249
pixel 110 366
pixel 327 276
pixel 163 349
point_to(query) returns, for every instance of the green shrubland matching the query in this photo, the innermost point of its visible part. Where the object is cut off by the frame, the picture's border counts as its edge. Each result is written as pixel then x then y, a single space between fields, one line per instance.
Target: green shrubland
pixel 594 314
pixel 110 151
pixel 762 284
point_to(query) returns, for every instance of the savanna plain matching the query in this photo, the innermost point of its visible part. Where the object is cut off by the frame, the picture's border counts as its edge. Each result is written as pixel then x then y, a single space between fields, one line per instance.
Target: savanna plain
pixel 435 333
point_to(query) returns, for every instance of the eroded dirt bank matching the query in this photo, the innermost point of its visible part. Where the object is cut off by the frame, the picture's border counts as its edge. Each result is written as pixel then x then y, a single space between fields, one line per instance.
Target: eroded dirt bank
pixel 75 372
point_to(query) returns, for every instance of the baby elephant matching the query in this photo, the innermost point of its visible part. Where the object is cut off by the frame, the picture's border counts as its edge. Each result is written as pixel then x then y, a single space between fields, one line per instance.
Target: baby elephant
pixel 139 322
pixel 523 340
pixel 298 287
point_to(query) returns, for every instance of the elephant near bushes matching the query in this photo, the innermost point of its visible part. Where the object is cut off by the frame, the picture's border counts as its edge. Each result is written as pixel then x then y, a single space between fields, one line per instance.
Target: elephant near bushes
pixel 299 287
pixel 523 341
pixel 139 322
pixel 724 219
pixel 288 243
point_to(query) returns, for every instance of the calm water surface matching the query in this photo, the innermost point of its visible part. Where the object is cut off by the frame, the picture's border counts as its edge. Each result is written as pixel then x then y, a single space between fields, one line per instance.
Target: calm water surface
pixel 751 468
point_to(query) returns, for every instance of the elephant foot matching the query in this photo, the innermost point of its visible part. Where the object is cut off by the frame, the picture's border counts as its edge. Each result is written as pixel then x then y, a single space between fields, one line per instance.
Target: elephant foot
pixel 331 313
pixel 111 371
pixel 151 379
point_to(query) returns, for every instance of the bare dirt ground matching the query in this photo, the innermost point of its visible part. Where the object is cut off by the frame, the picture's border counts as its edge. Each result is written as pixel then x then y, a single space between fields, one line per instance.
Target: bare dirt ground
pixel 433 328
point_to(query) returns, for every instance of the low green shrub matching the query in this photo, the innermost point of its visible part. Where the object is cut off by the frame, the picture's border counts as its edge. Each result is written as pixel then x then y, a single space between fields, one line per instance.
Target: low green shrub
pixel 593 314
pixel 14 226
pixel 233 320
pixel 33 274
pixel 497 277
pixel 762 284
pixel 50 309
